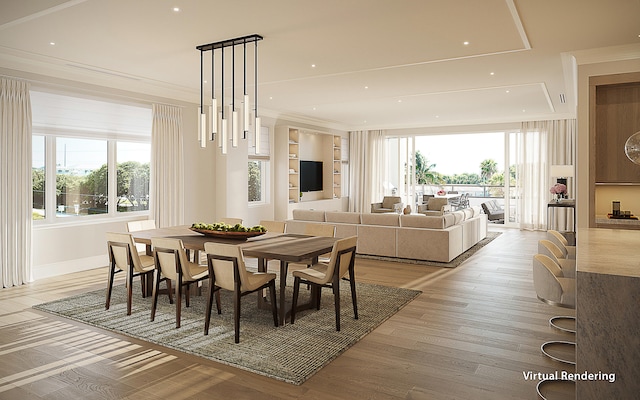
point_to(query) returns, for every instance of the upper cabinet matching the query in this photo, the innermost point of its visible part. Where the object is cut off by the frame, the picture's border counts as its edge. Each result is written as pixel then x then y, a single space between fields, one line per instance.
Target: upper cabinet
pixel 617 117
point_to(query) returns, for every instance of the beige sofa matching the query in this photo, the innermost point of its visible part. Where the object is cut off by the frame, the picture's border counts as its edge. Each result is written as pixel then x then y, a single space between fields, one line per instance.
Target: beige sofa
pixel 420 237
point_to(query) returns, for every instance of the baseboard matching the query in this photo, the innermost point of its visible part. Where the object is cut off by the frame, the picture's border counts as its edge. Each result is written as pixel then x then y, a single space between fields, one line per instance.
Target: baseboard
pixel 67 267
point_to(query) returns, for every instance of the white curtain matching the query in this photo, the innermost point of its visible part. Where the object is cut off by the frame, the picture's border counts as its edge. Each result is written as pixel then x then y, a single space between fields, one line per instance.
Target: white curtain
pixel 16 196
pixel 366 163
pixel 539 145
pixel 167 172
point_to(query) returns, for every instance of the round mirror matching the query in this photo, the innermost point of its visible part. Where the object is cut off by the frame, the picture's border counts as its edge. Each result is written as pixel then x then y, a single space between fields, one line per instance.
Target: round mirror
pixel 632 148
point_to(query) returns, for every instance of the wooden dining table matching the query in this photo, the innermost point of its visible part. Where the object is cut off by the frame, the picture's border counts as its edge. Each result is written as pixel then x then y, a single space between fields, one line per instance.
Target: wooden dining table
pixel 285 247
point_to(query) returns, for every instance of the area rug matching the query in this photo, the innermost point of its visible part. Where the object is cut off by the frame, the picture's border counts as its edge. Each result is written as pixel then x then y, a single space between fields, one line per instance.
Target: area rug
pixel 291 353
pixel 452 264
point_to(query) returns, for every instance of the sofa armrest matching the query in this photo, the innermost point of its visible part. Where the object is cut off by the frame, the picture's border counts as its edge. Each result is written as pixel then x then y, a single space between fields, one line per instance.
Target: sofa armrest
pixel 375 206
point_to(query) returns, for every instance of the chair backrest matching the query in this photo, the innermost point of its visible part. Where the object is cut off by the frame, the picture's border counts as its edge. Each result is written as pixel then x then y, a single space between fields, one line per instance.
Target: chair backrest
pixel 231 221
pixel 223 260
pixel 390 201
pixel 546 275
pixel 121 247
pixel 436 203
pixel 326 230
pixel 142 225
pixel 342 255
pixel 550 249
pixel 426 197
pixel 274 226
pixel 170 255
pixel 559 240
pixel 452 192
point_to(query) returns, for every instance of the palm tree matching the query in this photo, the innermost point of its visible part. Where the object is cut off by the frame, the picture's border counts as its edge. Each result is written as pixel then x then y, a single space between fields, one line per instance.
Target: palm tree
pixel 424 170
pixel 488 167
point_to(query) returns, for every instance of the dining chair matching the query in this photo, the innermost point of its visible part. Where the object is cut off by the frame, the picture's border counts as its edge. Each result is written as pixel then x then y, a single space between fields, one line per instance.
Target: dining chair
pixel 141 225
pixel 231 221
pixel 227 270
pixel 322 275
pixel 274 226
pixel 172 263
pixel 124 257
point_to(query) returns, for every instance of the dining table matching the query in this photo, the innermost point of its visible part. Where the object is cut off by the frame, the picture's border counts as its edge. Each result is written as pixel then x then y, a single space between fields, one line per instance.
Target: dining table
pixel 287 248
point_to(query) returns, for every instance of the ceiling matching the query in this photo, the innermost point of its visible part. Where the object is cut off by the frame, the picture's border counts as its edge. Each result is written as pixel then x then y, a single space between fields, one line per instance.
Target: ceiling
pixel 351 64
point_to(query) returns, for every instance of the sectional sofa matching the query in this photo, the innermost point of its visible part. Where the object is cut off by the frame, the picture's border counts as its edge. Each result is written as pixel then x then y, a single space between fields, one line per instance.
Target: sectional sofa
pixel 415 236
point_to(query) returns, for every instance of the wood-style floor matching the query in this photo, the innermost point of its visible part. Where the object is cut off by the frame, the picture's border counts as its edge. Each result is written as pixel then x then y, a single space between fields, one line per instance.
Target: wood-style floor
pixel 472 334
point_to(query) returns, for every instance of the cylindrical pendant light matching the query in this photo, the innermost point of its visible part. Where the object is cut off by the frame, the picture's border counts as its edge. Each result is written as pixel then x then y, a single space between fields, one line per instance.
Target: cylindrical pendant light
pixel 256 126
pixel 202 120
pixel 213 109
pixel 245 122
pixel 234 113
pixel 223 124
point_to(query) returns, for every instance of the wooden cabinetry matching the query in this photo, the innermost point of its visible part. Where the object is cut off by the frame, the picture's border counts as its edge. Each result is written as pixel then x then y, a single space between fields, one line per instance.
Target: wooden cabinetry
pixel 337 166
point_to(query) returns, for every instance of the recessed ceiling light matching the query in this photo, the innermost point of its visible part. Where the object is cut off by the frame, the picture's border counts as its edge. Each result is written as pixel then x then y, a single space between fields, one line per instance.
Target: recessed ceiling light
pixel 466 43
pixel 437 116
pixel 507 91
pixel 52 43
pixel 176 9
pixel 366 87
pixel 524 110
pixel 492 73
pixel 270 97
pixel 313 65
pixel 400 101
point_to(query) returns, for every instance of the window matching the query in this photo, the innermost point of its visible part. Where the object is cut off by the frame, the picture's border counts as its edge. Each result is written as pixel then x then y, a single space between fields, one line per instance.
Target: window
pixel 81 177
pixel 38 176
pixel 90 157
pixel 258 169
pixel 133 176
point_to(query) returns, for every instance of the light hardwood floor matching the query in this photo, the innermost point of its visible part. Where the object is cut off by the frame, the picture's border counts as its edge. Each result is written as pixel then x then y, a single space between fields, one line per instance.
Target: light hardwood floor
pixel 471 335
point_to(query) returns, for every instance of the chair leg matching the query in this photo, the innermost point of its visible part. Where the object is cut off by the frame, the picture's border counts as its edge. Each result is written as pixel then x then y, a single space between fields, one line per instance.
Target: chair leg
pixel 112 273
pixel 156 289
pixel 187 294
pixel 129 288
pixel 294 301
pixel 218 301
pixel 178 300
pixel 336 299
pixel 143 284
pixel 236 314
pixel 207 315
pixel 352 282
pixel 169 291
pixel 274 306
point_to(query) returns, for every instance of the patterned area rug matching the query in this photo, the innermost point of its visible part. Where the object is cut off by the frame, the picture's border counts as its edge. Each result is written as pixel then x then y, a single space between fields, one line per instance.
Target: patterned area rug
pixel 291 353
pixel 452 264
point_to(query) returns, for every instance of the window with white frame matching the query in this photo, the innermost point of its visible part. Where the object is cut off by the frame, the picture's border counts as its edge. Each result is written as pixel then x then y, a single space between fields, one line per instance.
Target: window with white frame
pixel 258 168
pixel 90 157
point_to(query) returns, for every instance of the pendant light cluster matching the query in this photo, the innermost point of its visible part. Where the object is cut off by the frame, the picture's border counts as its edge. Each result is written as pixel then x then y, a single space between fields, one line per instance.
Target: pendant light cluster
pixel 227 124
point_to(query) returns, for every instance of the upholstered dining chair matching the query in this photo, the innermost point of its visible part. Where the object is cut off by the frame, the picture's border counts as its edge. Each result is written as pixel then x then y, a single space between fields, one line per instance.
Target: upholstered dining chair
pixel 123 256
pixel 231 221
pixel 172 263
pixel 274 226
pixel 330 274
pixel 141 225
pixel 227 271
pixel 562 243
pixel 549 249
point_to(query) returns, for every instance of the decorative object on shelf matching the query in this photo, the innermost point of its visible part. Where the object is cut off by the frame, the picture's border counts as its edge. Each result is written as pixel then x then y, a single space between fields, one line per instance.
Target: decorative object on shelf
pixel 615 208
pixel 213 108
pixel 632 148
pixel 561 172
pixel 407 210
pixel 559 190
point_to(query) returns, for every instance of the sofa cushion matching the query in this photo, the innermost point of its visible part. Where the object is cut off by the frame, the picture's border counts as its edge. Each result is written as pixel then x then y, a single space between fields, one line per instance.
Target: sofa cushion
pixel 477 210
pixel 458 217
pixel 426 221
pixel 468 213
pixel 381 219
pixel 308 215
pixel 342 217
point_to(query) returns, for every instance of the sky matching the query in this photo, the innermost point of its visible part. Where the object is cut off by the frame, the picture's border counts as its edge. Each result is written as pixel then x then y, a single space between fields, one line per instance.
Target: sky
pixel 457 154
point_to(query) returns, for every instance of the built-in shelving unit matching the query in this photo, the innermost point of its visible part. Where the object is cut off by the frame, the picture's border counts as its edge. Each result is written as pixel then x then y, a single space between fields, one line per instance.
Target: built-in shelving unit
pixel 294 144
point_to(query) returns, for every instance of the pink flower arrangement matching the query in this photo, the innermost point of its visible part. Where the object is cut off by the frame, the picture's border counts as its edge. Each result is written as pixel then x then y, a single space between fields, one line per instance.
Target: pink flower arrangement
pixel 558 188
pixel 441 192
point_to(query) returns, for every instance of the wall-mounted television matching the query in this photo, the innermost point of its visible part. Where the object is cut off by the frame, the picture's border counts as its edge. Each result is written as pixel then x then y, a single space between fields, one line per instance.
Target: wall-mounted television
pixel 310 176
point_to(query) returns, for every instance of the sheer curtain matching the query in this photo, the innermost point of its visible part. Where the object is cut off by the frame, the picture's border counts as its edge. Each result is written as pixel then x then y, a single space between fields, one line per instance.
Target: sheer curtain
pixel 16 196
pixel 539 145
pixel 167 172
pixel 366 163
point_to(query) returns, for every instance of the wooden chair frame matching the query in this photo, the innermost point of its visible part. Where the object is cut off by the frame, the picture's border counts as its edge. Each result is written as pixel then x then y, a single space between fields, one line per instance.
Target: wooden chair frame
pixel 113 270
